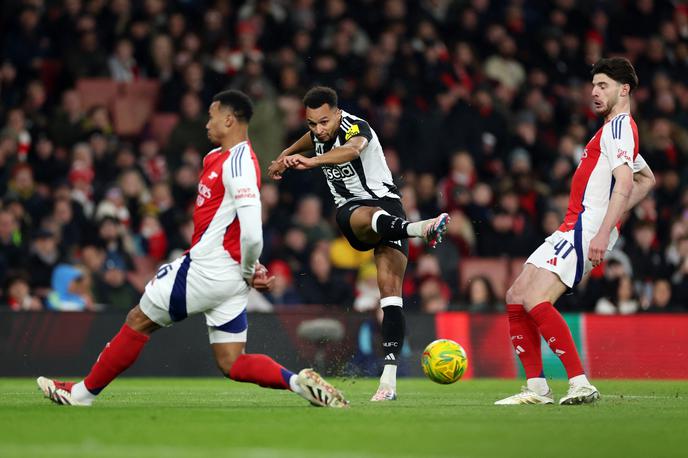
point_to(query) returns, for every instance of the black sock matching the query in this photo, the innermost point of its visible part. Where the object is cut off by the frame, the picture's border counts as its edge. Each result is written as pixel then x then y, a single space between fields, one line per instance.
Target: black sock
pixel 391 227
pixel 393 327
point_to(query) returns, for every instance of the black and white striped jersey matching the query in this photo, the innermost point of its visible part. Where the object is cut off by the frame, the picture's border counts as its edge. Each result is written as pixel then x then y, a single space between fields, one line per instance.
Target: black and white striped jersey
pixel 367 176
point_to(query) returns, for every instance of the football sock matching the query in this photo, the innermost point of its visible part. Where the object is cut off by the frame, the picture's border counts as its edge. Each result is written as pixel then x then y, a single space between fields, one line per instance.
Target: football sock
pixel 538 385
pixel 579 380
pixel 116 357
pixel 393 328
pixel 525 337
pixel 558 336
pixel 261 370
pixel 389 376
pixel 389 227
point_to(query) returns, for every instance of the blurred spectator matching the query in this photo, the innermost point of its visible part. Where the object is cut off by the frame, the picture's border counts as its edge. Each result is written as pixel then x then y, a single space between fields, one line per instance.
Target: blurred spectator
pixel 42 261
pixel 309 218
pixel 480 296
pixel 18 297
pixel 71 290
pixel 621 298
pixel 189 132
pixel 12 247
pixel 321 286
pixel 283 293
pixel 367 291
pixel 662 300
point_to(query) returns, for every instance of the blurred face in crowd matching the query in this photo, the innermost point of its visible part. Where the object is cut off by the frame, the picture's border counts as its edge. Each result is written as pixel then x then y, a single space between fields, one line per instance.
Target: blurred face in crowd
pixel 606 93
pixel 323 121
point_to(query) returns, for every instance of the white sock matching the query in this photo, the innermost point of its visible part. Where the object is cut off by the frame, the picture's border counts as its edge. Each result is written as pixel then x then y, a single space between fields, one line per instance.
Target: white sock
pixel 416 229
pixel 376 215
pixel 538 385
pixel 81 394
pixel 389 376
pixel 294 386
pixel 579 380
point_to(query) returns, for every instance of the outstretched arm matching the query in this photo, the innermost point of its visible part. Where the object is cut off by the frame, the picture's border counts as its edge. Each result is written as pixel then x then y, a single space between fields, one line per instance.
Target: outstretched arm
pixel 643 182
pixel 345 153
pixel 303 144
pixel 617 206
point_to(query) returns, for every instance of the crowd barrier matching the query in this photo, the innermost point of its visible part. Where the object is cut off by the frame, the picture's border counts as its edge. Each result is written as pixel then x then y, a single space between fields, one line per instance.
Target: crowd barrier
pixel 66 344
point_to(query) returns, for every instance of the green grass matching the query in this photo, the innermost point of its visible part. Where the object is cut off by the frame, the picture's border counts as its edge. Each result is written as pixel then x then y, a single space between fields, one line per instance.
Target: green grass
pixel 216 417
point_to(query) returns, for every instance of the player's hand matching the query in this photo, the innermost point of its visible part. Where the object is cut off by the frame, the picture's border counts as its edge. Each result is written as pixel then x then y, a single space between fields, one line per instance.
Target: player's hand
pixel 260 280
pixel 299 162
pixel 598 247
pixel 276 169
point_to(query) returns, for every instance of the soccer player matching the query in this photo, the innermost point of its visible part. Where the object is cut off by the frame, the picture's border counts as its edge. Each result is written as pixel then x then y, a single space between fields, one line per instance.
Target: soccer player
pixel 369 211
pixel 610 180
pixel 213 277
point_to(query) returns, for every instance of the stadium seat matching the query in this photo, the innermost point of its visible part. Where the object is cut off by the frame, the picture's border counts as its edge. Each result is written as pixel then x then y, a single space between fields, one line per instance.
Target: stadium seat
pixel 97 91
pixel 161 126
pixel 130 114
pixel 143 89
pixel 494 269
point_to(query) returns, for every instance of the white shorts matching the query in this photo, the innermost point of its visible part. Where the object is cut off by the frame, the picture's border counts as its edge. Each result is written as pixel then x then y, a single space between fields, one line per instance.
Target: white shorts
pixel 566 254
pixel 179 290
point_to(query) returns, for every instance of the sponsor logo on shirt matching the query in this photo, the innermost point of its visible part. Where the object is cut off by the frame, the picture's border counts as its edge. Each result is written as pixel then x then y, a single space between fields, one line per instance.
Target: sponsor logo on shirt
pixel 245 193
pixel 621 153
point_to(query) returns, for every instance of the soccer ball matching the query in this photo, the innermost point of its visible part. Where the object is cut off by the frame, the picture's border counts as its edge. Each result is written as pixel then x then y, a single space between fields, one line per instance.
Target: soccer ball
pixel 444 361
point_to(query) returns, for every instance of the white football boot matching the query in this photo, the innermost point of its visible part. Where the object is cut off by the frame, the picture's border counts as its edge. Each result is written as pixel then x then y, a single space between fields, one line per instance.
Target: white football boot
pixel 526 396
pixel 319 392
pixel 384 393
pixel 580 394
pixel 59 392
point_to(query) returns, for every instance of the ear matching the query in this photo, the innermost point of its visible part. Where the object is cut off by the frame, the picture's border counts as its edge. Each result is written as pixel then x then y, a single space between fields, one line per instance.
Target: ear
pixel 229 119
pixel 625 90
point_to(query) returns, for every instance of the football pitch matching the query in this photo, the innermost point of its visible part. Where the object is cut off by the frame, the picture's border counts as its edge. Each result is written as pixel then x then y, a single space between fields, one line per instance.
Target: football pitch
pixel 166 417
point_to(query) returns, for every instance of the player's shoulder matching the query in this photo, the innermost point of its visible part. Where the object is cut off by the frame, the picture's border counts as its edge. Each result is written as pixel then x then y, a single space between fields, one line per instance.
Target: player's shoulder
pixel 353 125
pixel 617 125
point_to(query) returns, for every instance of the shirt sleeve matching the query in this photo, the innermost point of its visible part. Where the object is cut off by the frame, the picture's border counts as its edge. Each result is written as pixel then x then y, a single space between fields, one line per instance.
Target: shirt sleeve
pixel 356 128
pixel 618 143
pixel 639 163
pixel 240 179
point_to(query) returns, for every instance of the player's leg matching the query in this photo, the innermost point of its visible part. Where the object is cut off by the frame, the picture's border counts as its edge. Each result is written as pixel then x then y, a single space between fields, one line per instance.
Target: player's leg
pixel 525 338
pixel 228 343
pixel 391 265
pixel 118 355
pixel 372 224
pixel 546 288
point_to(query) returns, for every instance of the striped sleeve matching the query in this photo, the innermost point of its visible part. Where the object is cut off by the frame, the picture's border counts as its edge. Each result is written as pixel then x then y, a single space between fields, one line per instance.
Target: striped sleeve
pixel 240 178
pixel 355 128
pixel 617 142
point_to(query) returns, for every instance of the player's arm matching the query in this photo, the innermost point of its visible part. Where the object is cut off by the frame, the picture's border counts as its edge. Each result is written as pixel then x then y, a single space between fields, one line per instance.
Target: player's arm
pixel 617 206
pixel 242 183
pixel 643 182
pixel 339 155
pixel 303 144
pixel 617 145
pixel 357 137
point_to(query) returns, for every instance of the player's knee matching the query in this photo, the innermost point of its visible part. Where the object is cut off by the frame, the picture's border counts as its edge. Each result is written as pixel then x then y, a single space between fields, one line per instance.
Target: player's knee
pixel 514 295
pixel 138 321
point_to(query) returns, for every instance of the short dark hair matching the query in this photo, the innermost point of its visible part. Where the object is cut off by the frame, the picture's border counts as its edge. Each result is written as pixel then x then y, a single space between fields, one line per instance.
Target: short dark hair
pixel 619 69
pixel 236 101
pixel 319 96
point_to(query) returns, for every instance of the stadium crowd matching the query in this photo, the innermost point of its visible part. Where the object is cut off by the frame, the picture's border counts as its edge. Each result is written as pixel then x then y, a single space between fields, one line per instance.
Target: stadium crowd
pixel 483 108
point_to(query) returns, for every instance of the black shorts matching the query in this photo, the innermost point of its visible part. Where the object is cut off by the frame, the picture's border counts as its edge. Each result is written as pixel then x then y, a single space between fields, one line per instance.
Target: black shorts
pixel 388 204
